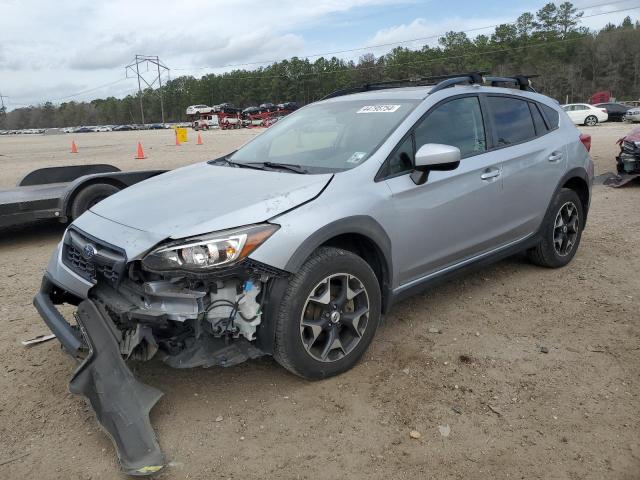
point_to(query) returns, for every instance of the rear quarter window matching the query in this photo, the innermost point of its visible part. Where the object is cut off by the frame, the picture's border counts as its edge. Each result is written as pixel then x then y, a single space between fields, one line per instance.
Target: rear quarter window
pixel 538 121
pixel 551 116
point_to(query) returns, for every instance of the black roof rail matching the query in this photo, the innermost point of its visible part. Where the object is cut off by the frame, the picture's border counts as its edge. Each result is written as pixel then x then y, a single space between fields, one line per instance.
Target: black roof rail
pixel 440 82
pixel 437 80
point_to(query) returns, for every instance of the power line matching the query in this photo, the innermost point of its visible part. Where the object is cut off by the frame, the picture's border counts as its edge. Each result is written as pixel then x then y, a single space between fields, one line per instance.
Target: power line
pixel 420 62
pixel 87 91
pixel 401 42
pixel 431 37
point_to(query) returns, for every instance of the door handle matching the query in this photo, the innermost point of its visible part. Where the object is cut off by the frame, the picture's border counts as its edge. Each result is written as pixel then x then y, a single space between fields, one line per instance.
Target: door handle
pixel 488 174
pixel 555 157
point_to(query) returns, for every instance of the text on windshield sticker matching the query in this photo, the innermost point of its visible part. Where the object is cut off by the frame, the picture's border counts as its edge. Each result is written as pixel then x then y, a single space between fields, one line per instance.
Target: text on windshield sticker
pixel 379 109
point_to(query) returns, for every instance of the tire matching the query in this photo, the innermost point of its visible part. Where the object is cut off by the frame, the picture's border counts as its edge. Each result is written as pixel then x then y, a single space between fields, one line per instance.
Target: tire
pixel 314 293
pixel 561 233
pixel 89 196
pixel 591 121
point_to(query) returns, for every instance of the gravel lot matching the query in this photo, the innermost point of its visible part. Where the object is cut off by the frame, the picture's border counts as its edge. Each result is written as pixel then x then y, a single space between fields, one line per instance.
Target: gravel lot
pixel 486 400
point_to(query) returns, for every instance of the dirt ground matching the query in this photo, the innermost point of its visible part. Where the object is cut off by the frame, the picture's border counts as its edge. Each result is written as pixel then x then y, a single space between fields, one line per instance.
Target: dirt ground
pixel 488 403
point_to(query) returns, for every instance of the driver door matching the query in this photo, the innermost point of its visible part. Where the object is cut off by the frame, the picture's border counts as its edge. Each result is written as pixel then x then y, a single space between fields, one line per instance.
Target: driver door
pixel 456 214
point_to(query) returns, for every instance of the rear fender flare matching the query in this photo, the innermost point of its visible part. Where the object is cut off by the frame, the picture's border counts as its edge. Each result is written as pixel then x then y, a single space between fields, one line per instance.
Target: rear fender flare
pixel 577 172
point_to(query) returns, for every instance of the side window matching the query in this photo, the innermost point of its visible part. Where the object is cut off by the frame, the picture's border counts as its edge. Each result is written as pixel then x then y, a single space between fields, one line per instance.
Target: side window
pixel 512 120
pixel 402 160
pixel 552 116
pixel 457 123
pixel 538 122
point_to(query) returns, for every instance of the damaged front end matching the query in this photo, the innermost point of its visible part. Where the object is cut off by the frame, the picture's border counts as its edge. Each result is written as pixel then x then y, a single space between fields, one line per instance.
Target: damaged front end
pixel 627 161
pixel 159 306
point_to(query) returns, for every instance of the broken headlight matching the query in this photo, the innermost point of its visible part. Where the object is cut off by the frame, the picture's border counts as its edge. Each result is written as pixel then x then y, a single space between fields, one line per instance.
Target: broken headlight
pixel 209 251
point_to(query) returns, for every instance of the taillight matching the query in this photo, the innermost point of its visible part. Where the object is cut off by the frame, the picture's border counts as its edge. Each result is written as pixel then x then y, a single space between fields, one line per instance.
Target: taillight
pixel 586 141
pixel 603 110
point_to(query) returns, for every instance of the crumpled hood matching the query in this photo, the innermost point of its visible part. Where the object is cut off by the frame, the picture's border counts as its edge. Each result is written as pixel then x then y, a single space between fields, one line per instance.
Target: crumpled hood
pixel 204 198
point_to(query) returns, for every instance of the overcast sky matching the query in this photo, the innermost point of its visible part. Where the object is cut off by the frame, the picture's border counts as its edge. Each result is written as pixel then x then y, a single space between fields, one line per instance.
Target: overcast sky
pixel 62 50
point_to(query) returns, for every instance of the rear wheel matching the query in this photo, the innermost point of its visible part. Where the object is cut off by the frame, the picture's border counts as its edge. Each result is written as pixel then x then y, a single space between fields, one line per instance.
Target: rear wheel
pixel 591 121
pixel 561 231
pixel 89 196
pixel 328 315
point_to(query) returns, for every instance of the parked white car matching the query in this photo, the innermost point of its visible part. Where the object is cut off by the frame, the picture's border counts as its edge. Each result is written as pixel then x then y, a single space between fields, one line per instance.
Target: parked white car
pixel 103 128
pixel 585 114
pixel 196 109
pixel 632 115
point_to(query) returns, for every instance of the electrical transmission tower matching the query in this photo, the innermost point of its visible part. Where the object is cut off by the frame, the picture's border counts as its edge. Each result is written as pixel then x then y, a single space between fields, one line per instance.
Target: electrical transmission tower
pixel 135 69
pixel 3 110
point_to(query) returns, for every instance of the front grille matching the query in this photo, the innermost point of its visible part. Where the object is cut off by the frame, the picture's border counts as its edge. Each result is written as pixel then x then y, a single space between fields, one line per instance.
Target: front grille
pixel 101 261
pixel 76 262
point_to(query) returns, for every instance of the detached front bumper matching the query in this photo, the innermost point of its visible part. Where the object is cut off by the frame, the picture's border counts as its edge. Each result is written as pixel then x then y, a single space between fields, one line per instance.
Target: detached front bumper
pixel 121 403
pixel 70 337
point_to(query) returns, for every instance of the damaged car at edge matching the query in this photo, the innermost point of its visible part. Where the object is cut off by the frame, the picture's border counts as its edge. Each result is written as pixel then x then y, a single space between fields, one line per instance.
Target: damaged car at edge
pixel 295 244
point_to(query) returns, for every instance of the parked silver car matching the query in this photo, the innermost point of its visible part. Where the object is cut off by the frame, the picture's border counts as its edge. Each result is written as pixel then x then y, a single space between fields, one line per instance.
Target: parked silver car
pixel 632 115
pixel 296 244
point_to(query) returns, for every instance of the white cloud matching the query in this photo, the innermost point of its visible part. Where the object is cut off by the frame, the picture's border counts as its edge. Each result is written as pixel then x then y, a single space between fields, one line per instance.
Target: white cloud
pixel 48 45
pixel 428 31
pixel 52 49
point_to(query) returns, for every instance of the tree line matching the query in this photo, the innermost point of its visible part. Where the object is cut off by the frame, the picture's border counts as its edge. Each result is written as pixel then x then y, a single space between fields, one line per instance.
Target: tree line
pixel 571 60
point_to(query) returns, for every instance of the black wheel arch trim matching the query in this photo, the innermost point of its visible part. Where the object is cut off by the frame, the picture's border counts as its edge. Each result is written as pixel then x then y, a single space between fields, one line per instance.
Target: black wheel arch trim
pixel 120 180
pixel 358 224
pixel 577 172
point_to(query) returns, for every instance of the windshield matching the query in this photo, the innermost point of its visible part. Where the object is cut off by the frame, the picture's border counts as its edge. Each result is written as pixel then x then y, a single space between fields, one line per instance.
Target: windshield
pixel 327 137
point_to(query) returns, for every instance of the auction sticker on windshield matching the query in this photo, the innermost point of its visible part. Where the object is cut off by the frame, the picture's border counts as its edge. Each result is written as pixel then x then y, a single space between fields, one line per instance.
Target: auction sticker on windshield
pixel 379 109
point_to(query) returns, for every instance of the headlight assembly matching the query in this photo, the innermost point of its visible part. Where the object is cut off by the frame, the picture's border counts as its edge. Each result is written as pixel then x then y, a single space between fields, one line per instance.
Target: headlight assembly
pixel 204 252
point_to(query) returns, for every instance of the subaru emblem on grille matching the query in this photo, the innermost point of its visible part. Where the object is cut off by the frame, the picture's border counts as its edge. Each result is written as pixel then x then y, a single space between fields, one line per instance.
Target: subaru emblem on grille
pixel 88 251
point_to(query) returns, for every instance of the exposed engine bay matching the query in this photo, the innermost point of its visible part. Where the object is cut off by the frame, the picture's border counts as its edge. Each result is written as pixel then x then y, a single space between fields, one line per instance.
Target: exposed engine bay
pixel 187 319
pixel 184 320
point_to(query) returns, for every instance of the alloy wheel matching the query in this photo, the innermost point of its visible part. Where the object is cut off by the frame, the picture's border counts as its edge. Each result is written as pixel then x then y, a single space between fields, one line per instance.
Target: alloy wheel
pixel 591 121
pixel 565 229
pixel 335 317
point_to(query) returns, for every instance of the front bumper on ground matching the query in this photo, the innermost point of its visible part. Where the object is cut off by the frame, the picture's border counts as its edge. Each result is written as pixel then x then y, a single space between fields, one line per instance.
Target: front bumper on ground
pixel 121 403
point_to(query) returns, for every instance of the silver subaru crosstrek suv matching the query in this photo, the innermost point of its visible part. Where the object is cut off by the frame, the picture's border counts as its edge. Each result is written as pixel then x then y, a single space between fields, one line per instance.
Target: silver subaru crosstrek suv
pixel 295 244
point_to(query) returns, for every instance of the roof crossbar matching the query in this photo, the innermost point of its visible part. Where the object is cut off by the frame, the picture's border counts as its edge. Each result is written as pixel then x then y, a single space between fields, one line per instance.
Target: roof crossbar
pixel 475 78
pixel 523 82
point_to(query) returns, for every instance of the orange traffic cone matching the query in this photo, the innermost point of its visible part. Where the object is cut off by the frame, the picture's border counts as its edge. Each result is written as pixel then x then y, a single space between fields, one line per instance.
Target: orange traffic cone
pixel 177 140
pixel 140 153
pixel 199 142
pixel 74 148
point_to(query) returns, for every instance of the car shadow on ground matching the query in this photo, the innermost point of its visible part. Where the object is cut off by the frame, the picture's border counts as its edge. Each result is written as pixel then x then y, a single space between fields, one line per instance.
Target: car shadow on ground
pixel 43 230
pixel 177 381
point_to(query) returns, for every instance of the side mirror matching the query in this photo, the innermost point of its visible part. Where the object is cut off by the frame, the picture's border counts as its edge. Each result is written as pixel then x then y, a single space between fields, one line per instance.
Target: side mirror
pixel 434 156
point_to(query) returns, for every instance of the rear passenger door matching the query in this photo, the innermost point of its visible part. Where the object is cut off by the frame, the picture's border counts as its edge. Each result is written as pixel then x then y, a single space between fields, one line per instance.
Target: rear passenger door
pixel 530 147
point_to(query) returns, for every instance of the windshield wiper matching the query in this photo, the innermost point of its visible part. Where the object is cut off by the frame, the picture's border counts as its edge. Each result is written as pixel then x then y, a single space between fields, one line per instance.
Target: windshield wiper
pixel 283 166
pixel 226 161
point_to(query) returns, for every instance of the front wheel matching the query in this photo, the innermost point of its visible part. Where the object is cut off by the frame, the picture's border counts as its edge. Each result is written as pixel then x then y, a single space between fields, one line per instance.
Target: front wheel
pixel 561 231
pixel 591 121
pixel 328 314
